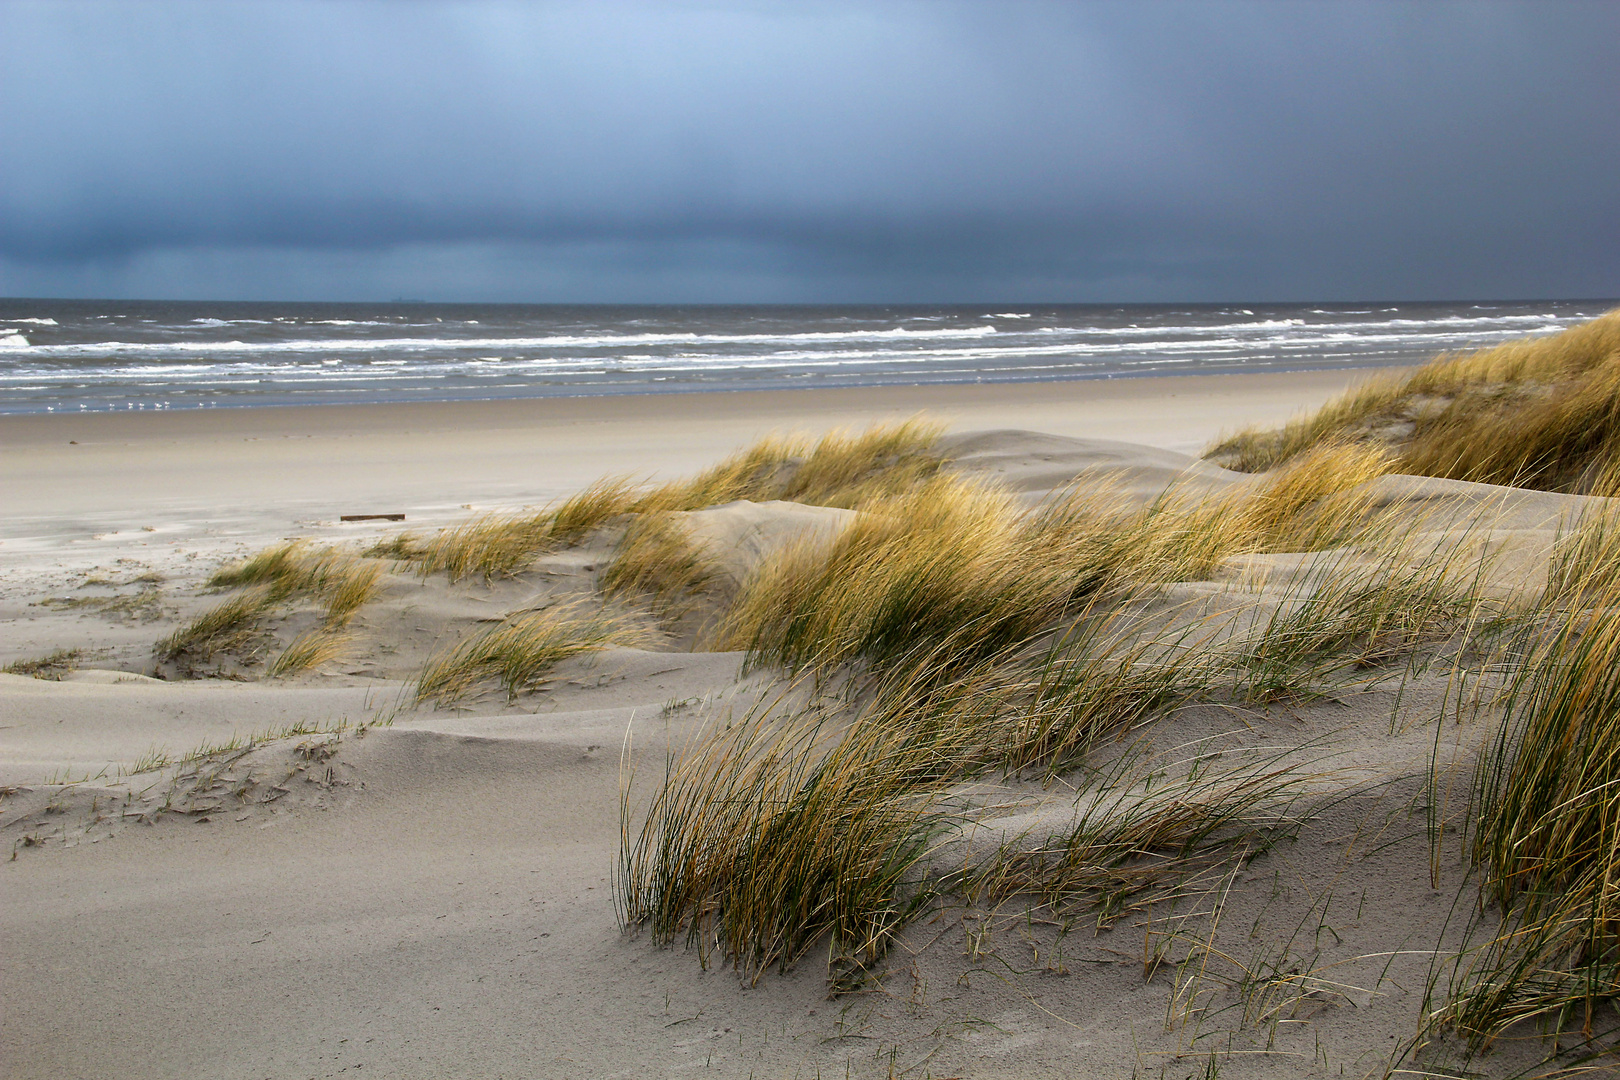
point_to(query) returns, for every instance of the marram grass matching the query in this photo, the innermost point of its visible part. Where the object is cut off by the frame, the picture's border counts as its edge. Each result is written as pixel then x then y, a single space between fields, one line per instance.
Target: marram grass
pixel 1546 815
pixel 231 626
pixel 309 651
pixel 658 559
pixel 840 469
pixel 999 640
pixel 518 654
pixel 775 832
pixel 1539 412
pixel 278 574
pixel 956 561
pixel 53 667
pixel 1142 827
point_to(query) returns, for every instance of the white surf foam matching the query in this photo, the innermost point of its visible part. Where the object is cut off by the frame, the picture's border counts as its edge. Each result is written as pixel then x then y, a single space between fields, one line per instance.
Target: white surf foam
pixel 448 344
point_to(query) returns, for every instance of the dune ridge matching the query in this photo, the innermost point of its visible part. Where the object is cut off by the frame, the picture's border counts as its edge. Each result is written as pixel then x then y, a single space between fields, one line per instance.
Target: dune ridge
pixel 991 753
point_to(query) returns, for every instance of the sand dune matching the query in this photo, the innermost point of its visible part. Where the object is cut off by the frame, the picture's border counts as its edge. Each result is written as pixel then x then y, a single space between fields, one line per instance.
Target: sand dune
pixel 418 891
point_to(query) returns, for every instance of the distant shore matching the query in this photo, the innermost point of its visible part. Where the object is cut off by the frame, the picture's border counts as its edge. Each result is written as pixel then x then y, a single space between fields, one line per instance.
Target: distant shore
pixel 109 469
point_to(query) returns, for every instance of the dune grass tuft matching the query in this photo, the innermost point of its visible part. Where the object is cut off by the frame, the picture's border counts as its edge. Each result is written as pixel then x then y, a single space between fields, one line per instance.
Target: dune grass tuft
pixel 518 653
pixel 590 509
pixel 1142 828
pixel 51 668
pixel 296 568
pixel 941 563
pixel 1346 617
pixel 657 558
pixel 230 627
pixel 488 546
pixel 310 650
pixel 959 562
pixel 840 469
pixel 1546 819
pixel 349 586
pixel 770 833
pixel 1096 682
pixel 286 565
pixel 272 577
pixel 1539 412
pixel 499 545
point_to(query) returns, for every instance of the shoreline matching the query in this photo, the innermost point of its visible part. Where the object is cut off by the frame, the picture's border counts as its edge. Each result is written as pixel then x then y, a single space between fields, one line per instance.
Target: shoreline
pixel 93 472
pixel 179 828
pixel 386 415
pixel 654 390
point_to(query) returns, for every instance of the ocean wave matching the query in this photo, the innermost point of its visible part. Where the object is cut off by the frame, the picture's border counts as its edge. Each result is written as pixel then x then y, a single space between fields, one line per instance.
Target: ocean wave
pixel 1477 328
pixel 605 341
pixel 1193 330
pixel 362 354
pixel 997 352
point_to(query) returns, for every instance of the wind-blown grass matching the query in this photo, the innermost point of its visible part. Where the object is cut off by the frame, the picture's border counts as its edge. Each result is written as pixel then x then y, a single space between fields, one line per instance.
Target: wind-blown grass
pixel 990 638
pixel 940 563
pixel 954 561
pixel 287 566
pixel 499 545
pixel 310 650
pixel 348 588
pixel 275 576
pixel 1540 412
pixel 1044 712
pixel 228 627
pixel 840 469
pixel 1547 819
pixel 53 667
pixel 1346 617
pixel 296 568
pixel 657 558
pixel 771 833
pixel 488 546
pixel 519 653
pixel 1136 835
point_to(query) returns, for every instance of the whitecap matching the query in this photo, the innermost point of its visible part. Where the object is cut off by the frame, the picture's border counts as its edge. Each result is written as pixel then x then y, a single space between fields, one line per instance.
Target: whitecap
pixel 436 344
pixel 10 339
pixel 37 322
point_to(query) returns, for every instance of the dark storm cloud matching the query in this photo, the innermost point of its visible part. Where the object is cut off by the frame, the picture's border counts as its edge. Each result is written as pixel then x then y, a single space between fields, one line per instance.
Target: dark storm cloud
pixel 753 151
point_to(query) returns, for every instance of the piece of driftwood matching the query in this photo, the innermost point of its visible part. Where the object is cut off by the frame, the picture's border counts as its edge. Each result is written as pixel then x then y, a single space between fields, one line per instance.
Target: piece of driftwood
pixel 372 517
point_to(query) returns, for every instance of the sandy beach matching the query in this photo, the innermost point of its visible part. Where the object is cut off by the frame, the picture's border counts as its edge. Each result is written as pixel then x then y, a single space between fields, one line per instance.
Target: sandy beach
pixel 418 891
pixel 116 470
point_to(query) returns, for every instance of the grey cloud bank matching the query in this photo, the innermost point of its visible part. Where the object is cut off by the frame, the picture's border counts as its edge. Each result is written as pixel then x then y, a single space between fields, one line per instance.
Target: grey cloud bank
pixel 810 152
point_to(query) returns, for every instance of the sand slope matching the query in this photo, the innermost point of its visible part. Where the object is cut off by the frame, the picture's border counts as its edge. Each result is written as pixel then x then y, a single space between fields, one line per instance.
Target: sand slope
pixel 432 897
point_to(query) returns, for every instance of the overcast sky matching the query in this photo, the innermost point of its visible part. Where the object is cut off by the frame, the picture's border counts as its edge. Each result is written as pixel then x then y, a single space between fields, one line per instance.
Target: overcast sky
pixel 802 151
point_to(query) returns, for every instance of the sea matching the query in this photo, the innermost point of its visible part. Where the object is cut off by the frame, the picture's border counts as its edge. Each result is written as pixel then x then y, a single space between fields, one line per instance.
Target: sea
pixel 98 356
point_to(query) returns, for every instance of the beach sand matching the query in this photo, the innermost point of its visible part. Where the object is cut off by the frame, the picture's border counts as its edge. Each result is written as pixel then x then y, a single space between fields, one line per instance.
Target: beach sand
pixel 432 897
